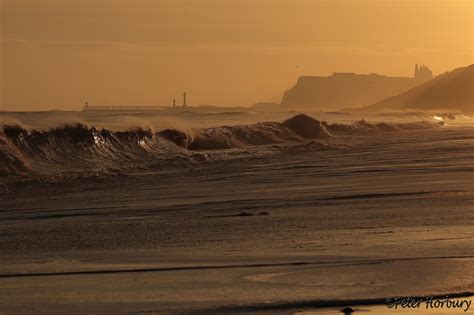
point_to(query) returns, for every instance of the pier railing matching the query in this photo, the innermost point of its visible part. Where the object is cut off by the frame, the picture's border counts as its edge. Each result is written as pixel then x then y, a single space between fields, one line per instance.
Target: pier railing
pixel 121 108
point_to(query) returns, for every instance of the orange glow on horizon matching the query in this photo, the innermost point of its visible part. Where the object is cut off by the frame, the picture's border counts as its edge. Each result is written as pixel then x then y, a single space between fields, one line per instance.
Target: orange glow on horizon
pixel 59 53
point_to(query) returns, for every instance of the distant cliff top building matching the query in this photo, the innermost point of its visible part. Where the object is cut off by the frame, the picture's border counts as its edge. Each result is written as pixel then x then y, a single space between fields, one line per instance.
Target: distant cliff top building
pixel 345 90
pixel 423 73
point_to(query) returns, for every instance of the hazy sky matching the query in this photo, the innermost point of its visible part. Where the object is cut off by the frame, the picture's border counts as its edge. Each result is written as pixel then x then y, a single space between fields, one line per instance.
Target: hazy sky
pixel 60 53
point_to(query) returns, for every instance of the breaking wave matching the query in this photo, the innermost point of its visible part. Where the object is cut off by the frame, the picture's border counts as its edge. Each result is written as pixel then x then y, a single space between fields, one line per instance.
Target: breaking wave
pixel 296 129
pixel 11 159
pixel 82 149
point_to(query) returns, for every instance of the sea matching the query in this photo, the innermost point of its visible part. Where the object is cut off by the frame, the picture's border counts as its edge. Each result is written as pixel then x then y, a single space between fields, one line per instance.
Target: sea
pixel 223 212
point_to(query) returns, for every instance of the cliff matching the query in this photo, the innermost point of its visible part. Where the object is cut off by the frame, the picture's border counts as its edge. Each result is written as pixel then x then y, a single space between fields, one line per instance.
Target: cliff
pixel 451 91
pixel 344 90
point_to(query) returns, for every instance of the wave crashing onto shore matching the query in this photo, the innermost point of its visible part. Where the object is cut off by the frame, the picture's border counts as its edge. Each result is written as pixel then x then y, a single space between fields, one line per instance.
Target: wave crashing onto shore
pixel 79 148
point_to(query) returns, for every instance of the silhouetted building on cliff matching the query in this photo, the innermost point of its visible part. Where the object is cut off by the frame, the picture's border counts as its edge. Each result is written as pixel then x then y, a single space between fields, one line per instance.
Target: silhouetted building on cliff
pixel 344 90
pixel 451 91
pixel 423 73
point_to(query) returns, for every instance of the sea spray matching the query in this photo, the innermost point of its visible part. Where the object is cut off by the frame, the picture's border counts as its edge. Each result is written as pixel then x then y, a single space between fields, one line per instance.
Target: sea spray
pixel 80 149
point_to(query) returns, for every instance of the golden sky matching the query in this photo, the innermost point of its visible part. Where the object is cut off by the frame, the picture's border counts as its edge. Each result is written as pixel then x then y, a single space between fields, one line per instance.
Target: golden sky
pixel 60 53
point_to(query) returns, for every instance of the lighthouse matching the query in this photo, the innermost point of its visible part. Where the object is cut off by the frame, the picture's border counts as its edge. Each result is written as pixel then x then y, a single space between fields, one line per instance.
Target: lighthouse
pixel 184 100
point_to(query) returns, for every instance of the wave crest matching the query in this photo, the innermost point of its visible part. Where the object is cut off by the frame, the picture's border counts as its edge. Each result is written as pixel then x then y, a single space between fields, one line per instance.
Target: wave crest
pixel 79 148
pixel 297 128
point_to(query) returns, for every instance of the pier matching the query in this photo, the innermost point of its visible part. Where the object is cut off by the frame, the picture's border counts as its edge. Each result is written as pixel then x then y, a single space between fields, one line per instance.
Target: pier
pixel 121 108
pixel 88 107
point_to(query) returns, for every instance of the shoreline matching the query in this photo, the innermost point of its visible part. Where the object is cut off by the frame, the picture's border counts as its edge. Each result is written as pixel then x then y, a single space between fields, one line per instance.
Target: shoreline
pixel 320 305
